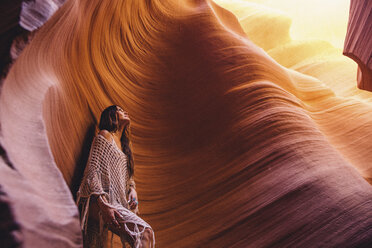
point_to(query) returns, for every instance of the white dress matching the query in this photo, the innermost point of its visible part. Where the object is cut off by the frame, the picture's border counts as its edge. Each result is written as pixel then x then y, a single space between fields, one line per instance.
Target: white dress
pixel 106 174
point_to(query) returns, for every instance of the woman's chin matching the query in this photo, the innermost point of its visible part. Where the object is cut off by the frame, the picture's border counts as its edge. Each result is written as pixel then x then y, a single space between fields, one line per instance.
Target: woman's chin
pixel 126 122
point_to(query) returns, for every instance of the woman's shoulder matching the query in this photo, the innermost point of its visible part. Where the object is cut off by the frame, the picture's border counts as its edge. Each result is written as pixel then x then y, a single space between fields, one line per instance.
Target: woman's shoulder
pixel 106 134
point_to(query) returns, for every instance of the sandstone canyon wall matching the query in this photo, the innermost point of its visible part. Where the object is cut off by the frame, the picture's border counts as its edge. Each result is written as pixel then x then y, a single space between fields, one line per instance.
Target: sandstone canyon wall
pixel 358 45
pixel 237 142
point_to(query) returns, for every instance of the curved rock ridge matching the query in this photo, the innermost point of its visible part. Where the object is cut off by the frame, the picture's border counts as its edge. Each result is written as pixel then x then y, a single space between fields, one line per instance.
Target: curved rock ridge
pixel 231 148
pixel 266 27
pixel 38 218
pixel 20 19
pixel 358 45
pixel 321 60
pixel 35 13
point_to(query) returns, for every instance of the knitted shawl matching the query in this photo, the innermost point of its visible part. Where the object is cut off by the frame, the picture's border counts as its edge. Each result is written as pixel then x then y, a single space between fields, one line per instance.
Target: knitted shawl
pixel 105 174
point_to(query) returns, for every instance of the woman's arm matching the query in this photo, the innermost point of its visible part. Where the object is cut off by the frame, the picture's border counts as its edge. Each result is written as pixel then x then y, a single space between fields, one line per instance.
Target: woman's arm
pixel 131 185
pixel 132 195
pixel 110 215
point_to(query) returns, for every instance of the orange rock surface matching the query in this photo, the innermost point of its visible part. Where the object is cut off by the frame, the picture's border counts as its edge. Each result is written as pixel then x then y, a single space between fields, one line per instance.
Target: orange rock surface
pixel 232 148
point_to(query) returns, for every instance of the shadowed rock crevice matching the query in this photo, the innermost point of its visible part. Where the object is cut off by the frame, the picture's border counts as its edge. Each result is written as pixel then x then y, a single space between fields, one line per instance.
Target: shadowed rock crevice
pixel 5 158
pixel 10 230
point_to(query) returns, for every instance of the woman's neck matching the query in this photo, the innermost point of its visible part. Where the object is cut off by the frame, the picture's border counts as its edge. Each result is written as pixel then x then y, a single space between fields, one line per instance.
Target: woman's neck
pixel 118 133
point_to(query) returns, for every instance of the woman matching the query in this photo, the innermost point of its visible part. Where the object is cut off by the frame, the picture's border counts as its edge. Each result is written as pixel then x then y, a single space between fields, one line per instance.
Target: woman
pixel 107 198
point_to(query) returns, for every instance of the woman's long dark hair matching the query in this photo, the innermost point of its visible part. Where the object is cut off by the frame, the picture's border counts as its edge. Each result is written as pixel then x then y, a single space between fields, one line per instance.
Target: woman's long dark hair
pixel 110 123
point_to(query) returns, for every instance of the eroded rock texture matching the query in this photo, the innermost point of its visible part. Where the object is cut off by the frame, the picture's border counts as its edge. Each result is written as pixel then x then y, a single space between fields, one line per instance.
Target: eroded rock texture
pixel 36 12
pixel 231 148
pixel 10 233
pixel 9 29
pixel 358 45
pixel 19 21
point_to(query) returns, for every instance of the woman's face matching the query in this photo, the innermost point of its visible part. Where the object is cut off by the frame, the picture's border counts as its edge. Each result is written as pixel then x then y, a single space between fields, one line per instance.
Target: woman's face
pixel 123 116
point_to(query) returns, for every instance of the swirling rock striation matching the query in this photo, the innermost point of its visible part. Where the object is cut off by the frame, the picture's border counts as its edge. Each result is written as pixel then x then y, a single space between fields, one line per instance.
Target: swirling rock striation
pixel 358 45
pixel 231 148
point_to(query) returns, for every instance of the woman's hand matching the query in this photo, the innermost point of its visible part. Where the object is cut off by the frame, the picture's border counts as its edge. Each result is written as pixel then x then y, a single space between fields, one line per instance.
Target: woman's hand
pixel 110 215
pixel 133 200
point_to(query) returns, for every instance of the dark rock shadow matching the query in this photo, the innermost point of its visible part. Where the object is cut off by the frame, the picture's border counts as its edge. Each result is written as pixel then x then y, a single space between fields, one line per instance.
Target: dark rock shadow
pixel 82 160
pixel 10 229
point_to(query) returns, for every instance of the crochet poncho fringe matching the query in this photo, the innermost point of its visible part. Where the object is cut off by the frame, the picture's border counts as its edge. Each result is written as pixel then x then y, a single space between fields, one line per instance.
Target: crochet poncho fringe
pixel 106 174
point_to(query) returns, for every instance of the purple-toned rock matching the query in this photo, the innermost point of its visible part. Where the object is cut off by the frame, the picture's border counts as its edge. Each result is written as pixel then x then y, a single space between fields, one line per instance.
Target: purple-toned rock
pixel 358 41
pixel 35 13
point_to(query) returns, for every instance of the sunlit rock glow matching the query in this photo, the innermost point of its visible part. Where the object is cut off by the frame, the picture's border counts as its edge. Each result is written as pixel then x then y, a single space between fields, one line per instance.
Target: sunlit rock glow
pixel 236 143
